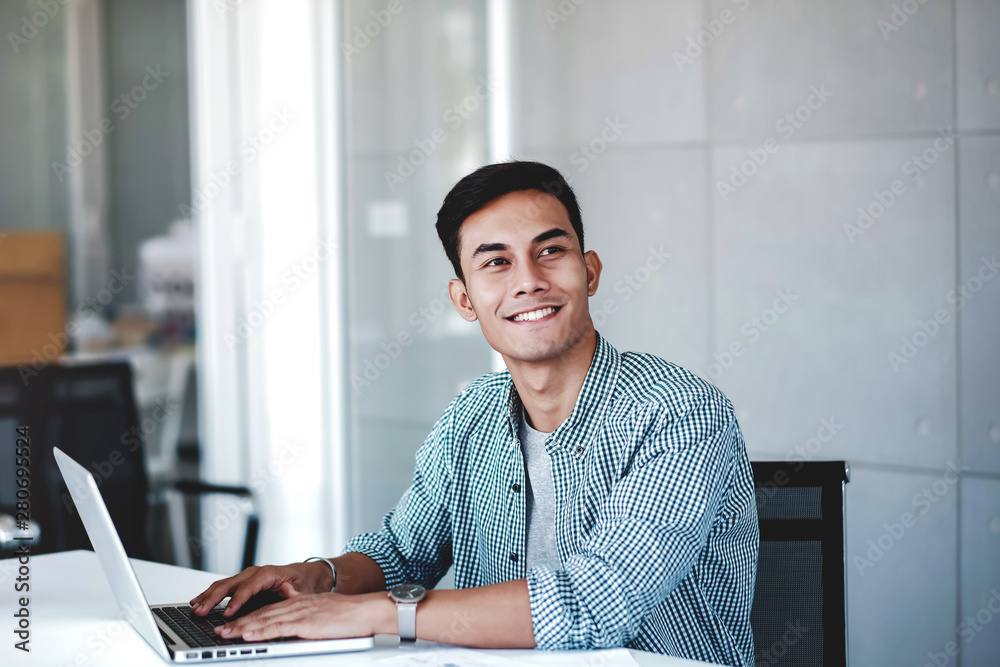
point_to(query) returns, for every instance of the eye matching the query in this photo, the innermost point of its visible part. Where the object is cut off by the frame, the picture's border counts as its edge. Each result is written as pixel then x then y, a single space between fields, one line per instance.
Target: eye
pixel 554 249
pixel 496 261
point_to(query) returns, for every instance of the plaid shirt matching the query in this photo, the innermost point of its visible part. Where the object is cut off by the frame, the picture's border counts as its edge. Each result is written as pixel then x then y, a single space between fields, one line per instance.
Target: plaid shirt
pixel 656 522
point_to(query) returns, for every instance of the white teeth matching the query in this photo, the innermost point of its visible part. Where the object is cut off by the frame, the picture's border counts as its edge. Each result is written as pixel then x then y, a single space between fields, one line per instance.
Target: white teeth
pixel 534 315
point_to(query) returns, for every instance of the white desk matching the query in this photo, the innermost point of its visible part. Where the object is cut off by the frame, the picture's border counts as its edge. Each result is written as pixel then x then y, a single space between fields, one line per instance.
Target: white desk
pixel 75 620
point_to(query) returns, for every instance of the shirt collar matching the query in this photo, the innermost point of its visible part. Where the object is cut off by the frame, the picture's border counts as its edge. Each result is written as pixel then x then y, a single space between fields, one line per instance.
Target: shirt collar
pixel 579 429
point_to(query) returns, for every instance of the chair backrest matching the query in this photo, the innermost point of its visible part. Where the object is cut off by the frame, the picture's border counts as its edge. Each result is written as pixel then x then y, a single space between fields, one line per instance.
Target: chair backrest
pixel 89 412
pixel 799 613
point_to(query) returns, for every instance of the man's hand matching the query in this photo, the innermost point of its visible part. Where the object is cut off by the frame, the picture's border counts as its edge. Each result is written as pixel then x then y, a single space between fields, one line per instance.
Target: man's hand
pixel 320 616
pixel 287 581
pixel 494 616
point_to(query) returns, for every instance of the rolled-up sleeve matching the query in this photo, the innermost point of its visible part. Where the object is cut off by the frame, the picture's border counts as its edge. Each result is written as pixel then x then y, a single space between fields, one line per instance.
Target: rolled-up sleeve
pixel 649 533
pixel 414 544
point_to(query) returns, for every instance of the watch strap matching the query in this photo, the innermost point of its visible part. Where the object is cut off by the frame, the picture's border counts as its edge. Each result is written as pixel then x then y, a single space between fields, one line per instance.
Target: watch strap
pixel 332 568
pixel 407 612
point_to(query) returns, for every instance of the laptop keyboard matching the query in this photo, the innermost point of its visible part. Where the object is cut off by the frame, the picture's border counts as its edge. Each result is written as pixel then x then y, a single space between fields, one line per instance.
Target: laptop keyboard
pixel 193 629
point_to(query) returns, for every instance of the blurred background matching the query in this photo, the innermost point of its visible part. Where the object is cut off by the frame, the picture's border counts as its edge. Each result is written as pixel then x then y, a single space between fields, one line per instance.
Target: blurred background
pixel 800 201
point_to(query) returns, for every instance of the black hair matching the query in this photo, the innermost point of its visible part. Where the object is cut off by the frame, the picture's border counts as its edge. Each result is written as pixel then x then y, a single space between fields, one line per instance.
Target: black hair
pixel 495 180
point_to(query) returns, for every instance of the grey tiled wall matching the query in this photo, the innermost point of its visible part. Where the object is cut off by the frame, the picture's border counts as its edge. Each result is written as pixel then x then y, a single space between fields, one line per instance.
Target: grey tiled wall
pixel 881 96
pixel 833 320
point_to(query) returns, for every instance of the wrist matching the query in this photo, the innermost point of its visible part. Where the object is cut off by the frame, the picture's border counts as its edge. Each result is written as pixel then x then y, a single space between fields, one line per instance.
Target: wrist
pixel 320 576
pixel 382 616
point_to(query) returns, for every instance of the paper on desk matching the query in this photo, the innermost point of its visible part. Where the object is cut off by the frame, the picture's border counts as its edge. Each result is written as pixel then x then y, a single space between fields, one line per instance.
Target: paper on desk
pixel 460 657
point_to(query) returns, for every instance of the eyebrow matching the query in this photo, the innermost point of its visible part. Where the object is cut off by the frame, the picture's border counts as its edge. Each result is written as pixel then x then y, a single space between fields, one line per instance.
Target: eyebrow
pixel 553 233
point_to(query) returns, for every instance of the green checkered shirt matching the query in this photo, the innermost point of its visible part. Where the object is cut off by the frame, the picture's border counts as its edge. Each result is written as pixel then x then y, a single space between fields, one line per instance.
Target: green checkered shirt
pixel 656 522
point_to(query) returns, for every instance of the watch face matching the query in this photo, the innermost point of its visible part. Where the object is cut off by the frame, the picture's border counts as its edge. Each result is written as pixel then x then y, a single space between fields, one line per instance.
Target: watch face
pixel 408 592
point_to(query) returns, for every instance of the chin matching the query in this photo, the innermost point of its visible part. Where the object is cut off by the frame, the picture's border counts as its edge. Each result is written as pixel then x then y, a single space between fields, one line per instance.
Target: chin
pixel 537 349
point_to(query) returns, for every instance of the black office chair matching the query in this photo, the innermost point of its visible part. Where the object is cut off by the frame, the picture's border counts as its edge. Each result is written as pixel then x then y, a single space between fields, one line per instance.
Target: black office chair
pixel 799 613
pixel 89 412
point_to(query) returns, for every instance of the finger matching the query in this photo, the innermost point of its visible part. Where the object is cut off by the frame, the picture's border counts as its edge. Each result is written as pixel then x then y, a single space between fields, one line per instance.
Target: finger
pixel 221 589
pixel 275 621
pixel 264 580
pixel 273 630
pixel 205 593
pixel 214 594
pixel 288 590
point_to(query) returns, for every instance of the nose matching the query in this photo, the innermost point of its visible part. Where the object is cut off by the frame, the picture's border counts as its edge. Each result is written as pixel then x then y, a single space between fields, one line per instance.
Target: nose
pixel 528 278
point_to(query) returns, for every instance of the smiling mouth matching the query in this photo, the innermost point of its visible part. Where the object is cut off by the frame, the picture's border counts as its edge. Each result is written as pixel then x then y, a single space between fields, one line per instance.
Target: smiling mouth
pixel 534 315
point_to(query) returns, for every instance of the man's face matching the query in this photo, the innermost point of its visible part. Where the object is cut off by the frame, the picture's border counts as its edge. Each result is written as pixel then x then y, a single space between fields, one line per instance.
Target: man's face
pixel 526 280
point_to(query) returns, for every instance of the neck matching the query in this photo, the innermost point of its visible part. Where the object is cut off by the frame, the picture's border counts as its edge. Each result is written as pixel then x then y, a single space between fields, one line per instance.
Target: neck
pixel 549 389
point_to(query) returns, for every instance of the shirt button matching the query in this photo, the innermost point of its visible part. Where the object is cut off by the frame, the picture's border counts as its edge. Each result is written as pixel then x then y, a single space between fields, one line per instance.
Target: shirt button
pixel 579 449
pixel 516 488
pixel 513 557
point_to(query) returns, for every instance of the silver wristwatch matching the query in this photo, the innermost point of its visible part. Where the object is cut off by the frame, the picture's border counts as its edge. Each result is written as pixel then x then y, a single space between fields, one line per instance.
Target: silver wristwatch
pixel 407 596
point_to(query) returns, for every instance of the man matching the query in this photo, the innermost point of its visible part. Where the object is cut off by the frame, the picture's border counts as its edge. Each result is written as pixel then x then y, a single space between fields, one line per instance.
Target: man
pixel 586 498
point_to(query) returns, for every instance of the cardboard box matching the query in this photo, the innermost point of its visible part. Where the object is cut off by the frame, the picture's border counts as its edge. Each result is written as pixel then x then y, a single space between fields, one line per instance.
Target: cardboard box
pixel 32 297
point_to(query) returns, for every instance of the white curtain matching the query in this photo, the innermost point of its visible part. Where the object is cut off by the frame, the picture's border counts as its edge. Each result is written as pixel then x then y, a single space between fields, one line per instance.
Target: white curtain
pixel 267 206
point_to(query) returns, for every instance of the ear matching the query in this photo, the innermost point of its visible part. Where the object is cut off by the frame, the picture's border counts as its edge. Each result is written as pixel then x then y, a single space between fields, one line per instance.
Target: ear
pixel 594 267
pixel 460 299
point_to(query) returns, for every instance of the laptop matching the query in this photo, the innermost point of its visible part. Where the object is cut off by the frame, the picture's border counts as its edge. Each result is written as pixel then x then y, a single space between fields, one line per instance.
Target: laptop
pixel 172 630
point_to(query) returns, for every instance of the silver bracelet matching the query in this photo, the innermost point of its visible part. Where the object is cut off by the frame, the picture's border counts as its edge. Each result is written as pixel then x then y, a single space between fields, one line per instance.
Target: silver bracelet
pixel 332 568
